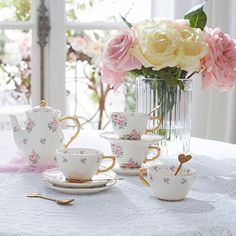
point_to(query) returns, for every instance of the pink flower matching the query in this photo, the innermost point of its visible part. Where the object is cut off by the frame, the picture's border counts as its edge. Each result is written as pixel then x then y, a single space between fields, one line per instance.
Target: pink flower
pixel 117 60
pixel 78 43
pixel 219 66
pixel 24 45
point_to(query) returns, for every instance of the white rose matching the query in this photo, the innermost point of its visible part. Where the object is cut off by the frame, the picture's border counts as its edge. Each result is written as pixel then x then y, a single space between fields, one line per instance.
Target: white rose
pixel 158 44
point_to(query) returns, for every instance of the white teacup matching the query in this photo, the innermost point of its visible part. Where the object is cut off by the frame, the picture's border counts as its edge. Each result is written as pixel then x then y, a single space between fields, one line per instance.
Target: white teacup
pixel 133 153
pixel 164 184
pixel 132 125
pixel 81 163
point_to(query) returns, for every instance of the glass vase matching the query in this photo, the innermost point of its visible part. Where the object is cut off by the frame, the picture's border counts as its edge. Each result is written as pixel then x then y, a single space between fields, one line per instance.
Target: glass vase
pixel 174 111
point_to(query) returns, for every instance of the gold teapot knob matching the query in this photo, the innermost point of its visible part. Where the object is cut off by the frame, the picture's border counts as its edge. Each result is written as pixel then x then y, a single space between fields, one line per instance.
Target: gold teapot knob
pixel 42 103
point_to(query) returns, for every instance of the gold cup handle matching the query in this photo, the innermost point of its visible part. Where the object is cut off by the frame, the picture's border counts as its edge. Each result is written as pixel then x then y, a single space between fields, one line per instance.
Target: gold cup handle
pixel 76 121
pixel 157 127
pixel 141 174
pixel 155 156
pixel 109 167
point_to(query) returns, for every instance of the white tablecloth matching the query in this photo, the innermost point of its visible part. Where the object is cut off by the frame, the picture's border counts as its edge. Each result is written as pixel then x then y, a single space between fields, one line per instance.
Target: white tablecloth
pixel 128 208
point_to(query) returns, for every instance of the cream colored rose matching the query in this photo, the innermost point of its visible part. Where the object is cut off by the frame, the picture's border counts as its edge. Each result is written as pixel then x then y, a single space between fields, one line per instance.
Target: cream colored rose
pixel 192 49
pixel 158 44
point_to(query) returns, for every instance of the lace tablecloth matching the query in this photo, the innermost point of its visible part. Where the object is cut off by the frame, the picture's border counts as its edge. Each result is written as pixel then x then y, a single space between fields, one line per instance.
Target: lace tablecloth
pixel 128 208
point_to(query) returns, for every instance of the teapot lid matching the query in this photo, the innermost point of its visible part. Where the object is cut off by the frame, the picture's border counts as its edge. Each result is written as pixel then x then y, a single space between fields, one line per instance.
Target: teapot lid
pixel 43 107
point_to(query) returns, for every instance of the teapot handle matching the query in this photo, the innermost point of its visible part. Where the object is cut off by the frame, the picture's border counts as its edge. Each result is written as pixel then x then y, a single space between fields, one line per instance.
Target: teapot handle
pixel 75 119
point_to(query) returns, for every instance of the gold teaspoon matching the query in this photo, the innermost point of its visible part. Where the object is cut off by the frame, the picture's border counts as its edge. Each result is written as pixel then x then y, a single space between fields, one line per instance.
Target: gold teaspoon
pixel 182 159
pixel 59 202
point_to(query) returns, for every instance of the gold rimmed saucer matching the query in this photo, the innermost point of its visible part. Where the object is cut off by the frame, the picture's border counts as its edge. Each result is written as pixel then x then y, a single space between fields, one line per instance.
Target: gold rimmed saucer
pixel 87 190
pixel 56 177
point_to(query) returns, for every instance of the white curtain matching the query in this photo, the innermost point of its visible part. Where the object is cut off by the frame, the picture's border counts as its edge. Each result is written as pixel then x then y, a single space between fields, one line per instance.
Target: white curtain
pixel 213 113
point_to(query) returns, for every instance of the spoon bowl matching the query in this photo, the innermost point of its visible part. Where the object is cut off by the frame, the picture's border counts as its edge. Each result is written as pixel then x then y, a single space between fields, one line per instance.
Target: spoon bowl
pixel 182 159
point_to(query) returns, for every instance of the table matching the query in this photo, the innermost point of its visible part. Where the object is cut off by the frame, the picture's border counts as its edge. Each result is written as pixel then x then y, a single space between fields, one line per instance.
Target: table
pixel 128 208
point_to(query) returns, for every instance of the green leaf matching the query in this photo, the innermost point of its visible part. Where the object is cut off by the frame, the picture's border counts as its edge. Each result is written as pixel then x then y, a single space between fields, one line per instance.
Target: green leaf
pixel 94 97
pixel 126 22
pixel 181 84
pixel 197 17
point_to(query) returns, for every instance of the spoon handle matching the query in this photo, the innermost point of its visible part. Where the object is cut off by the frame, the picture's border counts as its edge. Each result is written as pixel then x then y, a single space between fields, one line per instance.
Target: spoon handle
pixel 43 197
pixel 178 169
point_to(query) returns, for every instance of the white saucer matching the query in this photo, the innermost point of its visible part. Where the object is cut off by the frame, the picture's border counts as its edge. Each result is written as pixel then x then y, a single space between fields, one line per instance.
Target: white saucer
pixel 126 171
pixel 147 138
pixel 79 190
pixel 56 177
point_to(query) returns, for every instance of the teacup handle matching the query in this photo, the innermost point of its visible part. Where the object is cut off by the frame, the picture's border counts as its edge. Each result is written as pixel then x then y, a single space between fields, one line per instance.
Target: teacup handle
pixel 141 174
pixel 76 121
pixel 155 156
pixel 157 127
pixel 109 167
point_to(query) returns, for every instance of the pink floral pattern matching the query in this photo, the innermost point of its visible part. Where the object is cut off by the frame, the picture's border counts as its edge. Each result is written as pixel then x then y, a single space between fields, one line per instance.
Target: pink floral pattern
pixel 117 150
pixel 53 125
pixel 34 157
pixel 29 125
pixel 130 164
pixel 134 135
pixel 119 121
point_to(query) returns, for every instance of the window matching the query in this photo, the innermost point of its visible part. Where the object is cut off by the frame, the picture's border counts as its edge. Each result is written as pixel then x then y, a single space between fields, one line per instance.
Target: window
pixel 18 56
pixel 72 77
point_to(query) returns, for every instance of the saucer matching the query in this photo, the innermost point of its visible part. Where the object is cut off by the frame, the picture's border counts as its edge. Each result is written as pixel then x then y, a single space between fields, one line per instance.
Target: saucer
pixel 56 177
pixel 79 190
pixel 146 138
pixel 126 171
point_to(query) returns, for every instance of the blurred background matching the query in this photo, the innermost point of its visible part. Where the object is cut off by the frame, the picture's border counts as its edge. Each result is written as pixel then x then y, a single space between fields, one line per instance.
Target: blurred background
pixel 71 57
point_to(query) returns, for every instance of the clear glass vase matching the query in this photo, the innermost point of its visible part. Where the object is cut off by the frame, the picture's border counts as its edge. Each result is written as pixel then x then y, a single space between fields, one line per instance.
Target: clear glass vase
pixel 174 111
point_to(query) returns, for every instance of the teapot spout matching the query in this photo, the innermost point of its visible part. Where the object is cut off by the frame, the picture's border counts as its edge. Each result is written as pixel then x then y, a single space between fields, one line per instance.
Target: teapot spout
pixel 19 134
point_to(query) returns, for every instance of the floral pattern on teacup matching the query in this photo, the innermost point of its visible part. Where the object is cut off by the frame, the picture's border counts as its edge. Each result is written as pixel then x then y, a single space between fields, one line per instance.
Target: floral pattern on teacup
pixel 150 177
pixel 53 125
pixel 15 129
pixel 183 181
pixel 130 164
pixel 83 160
pixel 64 159
pixel 119 121
pixel 25 141
pixel 166 180
pixel 29 125
pixel 43 141
pixel 133 135
pixel 61 140
pixel 117 150
pixel 34 157
pixel 55 158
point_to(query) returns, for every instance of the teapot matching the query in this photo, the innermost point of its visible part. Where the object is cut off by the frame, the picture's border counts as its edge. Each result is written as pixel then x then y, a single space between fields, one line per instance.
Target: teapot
pixel 43 134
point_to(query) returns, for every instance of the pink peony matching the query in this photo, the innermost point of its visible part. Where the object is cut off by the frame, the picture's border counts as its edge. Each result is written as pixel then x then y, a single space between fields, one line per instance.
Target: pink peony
pixel 117 60
pixel 219 66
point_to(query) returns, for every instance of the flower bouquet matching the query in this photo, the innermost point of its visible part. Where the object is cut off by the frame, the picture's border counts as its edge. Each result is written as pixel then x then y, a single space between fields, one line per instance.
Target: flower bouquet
pixel 164 55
